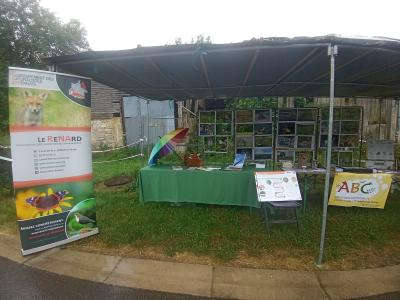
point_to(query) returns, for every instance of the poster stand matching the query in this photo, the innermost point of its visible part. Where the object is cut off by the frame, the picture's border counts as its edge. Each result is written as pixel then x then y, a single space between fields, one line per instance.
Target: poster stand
pixel 50 134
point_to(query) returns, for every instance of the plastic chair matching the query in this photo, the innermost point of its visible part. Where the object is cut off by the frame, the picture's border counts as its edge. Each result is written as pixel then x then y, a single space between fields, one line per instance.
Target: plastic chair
pixel 275 206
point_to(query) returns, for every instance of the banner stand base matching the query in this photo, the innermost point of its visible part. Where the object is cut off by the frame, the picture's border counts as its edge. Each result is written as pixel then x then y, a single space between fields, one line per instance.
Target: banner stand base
pixel 63 242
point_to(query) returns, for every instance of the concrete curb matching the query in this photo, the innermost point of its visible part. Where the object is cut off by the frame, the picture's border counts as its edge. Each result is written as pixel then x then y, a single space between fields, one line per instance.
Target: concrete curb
pixel 208 281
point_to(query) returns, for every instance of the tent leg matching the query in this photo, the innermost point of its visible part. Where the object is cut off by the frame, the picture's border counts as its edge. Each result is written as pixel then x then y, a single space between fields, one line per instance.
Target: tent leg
pixel 148 127
pixel 332 51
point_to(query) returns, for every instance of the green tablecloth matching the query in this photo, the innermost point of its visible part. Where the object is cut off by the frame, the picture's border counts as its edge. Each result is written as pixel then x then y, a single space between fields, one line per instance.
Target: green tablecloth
pixel 163 184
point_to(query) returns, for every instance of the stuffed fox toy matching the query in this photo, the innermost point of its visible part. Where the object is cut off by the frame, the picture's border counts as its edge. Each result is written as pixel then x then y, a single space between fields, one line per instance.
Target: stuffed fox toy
pixel 31 113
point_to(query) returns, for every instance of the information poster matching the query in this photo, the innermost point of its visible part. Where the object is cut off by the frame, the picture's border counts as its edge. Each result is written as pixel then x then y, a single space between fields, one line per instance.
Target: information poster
pixel 277 186
pixel 363 190
pixel 52 162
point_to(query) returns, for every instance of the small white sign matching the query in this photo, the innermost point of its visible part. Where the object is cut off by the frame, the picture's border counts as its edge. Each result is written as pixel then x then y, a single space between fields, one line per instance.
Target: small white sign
pixel 277 186
pixel 380 150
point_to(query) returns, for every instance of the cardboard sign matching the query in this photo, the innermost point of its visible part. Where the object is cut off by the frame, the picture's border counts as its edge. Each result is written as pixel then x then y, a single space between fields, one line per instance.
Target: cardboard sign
pixel 363 190
pixel 52 161
pixel 277 186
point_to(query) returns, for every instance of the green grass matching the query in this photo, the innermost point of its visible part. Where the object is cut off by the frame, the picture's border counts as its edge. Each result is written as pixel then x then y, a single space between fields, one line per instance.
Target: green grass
pixel 129 167
pixel 223 232
pixel 7 214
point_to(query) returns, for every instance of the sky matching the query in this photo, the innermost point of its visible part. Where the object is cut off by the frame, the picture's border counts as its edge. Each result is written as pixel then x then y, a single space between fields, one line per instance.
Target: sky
pixel 118 24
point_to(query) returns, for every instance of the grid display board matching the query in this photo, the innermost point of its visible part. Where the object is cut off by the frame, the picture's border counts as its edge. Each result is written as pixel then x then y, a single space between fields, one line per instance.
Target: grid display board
pixel 346 134
pixel 296 128
pixel 254 133
pixel 215 127
pixel 339 157
pixel 346 127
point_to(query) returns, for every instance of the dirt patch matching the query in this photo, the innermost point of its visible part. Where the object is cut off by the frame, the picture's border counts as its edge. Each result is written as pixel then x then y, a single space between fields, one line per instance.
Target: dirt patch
pixel 368 258
pixel 9 228
pixel 118 181
pixel 101 187
pixel 272 259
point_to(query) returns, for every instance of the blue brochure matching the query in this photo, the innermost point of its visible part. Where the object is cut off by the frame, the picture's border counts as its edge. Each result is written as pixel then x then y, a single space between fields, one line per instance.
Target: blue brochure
pixel 238 162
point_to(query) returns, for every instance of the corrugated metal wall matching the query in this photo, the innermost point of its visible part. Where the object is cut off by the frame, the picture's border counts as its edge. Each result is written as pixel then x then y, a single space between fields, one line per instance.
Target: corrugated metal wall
pixel 137 125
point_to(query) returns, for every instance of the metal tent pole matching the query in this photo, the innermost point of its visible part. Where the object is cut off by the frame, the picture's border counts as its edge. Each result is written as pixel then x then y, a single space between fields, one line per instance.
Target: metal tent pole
pixel 332 51
pixel 148 127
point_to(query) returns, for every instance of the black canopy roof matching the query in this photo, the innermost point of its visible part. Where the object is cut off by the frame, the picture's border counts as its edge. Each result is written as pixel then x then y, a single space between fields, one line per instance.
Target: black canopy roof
pixel 263 67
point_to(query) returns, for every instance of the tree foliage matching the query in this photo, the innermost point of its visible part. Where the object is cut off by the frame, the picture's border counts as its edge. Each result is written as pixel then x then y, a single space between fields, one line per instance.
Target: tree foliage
pixel 303 102
pixel 199 40
pixel 252 103
pixel 29 32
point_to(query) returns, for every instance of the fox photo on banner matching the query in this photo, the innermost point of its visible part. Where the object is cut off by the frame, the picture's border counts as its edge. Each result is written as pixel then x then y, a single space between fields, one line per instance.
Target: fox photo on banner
pixel 51 157
pixel 363 190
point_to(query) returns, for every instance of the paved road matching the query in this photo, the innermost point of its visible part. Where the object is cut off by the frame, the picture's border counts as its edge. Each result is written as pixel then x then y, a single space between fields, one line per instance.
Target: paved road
pixel 22 282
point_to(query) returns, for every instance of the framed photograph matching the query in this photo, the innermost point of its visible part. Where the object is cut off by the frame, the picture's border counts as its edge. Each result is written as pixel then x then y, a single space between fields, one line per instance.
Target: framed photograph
pixel 221 144
pixel 286 141
pixel 303 159
pixel 305 142
pixel 346 158
pixel 351 113
pixel 350 127
pixel 224 116
pixel 323 142
pixel 263 153
pixel 223 129
pixel 206 129
pixel 209 144
pixel 348 141
pixel 287 114
pixel 263 141
pixel 263 128
pixel 334 158
pixel 244 116
pixel 305 129
pixel 306 114
pixel 244 141
pixel 262 115
pixel 282 155
pixel 248 152
pixel 335 129
pixel 244 129
pixel 207 117
pixel 325 113
pixel 286 128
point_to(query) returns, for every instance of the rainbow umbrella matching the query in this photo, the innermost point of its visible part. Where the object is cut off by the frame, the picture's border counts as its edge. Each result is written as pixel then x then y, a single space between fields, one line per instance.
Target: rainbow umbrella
pixel 166 144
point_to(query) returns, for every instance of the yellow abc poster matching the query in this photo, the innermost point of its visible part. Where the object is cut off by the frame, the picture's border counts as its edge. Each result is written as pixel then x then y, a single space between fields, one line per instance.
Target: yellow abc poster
pixel 363 190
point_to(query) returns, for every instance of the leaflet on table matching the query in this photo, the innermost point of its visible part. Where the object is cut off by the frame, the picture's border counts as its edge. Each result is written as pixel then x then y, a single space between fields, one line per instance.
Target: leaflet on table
pixel 50 124
pixel 177 168
pixel 208 168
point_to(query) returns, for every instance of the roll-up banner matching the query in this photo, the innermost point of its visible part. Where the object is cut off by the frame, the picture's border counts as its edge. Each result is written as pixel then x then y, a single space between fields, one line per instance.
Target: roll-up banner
pixel 51 158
